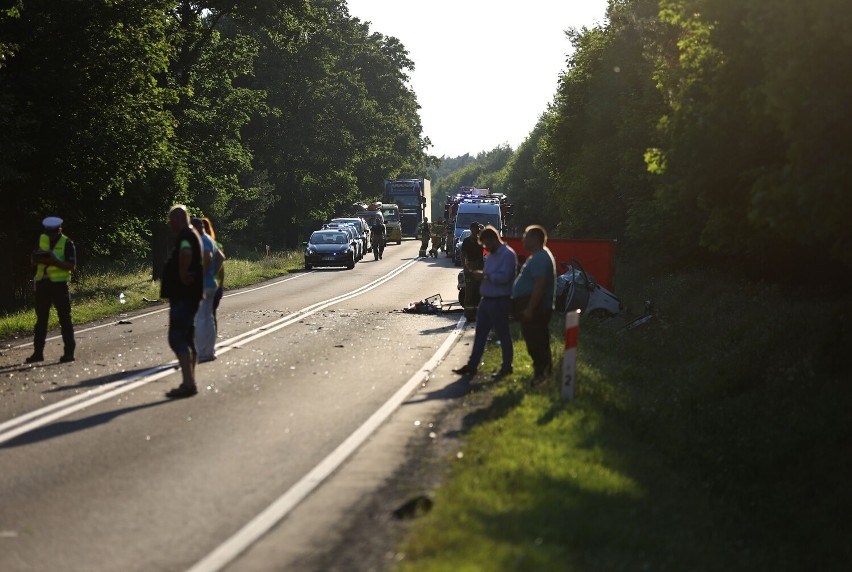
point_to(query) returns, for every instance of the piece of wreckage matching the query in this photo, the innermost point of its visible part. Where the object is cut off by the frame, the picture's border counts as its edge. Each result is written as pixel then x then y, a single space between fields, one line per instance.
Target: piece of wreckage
pixel 433 305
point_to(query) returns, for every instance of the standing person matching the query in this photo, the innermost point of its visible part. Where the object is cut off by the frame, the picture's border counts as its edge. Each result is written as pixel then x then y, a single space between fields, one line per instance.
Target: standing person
pixel 205 324
pixel 472 260
pixel 378 237
pixel 425 235
pixel 437 237
pixel 220 272
pixel 532 300
pixel 183 285
pixel 55 258
pixel 495 288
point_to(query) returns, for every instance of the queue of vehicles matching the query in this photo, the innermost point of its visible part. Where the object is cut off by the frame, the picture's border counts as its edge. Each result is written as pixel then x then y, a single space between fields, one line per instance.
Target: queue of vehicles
pixel 343 241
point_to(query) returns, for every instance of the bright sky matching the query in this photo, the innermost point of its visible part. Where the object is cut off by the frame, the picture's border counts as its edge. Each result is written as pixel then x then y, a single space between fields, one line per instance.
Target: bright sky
pixel 485 71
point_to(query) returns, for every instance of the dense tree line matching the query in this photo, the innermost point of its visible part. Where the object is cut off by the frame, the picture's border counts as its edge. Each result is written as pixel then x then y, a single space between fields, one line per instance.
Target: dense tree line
pixel 264 115
pixel 694 128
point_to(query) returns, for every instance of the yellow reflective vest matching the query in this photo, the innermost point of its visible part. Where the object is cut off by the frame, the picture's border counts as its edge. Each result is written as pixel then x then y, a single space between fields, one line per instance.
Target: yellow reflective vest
pixel 54 273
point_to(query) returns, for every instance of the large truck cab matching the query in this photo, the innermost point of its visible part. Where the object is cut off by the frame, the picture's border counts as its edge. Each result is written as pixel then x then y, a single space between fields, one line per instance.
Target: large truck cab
pixel 414 199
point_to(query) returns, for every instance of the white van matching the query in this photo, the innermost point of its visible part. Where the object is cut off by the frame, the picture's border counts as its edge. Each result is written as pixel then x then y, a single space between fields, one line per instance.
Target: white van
pixel 483 211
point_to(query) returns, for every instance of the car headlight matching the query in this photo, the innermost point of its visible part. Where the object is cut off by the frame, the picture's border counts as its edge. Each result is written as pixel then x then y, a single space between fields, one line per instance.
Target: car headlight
pixel 310 250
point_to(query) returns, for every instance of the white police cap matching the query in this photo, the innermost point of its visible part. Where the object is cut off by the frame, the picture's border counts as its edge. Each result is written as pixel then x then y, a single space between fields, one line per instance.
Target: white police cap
pixel 52 222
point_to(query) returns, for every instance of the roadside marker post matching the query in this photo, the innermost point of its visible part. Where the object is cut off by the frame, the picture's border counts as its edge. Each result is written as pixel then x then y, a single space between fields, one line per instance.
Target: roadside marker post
pixel 569 359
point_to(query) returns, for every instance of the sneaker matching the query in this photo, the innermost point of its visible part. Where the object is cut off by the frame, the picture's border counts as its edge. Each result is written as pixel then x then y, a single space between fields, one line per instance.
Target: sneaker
pixel 182 391
pixel 34 358
pixel 66 359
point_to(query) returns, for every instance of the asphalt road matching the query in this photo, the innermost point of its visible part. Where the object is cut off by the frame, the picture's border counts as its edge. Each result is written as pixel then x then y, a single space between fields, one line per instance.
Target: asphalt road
pixel 98 471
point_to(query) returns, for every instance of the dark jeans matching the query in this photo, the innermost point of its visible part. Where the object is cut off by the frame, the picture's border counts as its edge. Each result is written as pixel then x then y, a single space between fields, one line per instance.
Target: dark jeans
pixel 56 294
pixel 492 313
pixel 182 324
pixel 536 334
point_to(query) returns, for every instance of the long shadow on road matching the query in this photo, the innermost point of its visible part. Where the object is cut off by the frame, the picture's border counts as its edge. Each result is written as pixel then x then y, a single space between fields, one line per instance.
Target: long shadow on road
pixel 62 428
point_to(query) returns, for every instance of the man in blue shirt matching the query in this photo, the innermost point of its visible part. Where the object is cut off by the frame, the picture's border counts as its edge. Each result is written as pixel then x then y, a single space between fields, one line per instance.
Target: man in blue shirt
pixel 532 300
pixel 495 290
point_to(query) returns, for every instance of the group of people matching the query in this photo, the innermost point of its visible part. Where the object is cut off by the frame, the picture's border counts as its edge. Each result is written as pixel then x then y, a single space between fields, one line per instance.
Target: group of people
pixel 194 274
pixel 192 280
pixel 497 290
pixel 434 232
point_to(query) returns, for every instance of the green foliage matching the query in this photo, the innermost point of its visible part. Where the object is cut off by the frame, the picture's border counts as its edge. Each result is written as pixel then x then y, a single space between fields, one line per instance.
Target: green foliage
pixel 703 440
pixel 480 171
pixel 262 116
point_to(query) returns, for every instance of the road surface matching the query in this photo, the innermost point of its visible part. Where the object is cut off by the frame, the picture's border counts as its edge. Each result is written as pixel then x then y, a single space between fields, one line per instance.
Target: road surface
pixel 98 471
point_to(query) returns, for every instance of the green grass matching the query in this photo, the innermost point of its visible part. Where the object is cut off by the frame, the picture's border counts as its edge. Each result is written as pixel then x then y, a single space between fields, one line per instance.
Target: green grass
pixel 95 289
pixel 714 438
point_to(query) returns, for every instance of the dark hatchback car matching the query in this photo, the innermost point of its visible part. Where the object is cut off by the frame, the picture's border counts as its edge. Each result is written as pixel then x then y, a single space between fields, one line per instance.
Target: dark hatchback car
pixel 329 247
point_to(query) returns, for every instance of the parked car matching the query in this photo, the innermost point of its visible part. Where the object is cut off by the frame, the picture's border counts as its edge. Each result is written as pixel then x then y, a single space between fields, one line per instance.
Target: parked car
pixel 457 247
pixel 357 243
pixel 361 227
pixel 329 247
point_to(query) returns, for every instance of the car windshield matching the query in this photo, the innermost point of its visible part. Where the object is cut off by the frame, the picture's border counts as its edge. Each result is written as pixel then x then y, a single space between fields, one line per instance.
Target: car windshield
pixel 370 217
pixel 355 222
pixel 390 215
pixel 328 237
pixel 464 219
pixel 408 201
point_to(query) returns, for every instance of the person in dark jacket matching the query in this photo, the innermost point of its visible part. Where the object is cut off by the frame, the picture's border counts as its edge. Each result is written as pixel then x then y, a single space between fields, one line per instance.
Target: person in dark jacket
pixel 378 237
pixel 183 285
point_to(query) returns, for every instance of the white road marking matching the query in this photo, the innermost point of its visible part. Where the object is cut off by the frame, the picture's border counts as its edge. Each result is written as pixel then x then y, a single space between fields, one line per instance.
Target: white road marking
pixel 151 313
pixel 40 417
pixel 263 522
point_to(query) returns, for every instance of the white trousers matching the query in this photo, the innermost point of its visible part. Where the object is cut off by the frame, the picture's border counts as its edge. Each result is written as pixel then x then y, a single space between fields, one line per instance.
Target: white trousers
pixel 205 327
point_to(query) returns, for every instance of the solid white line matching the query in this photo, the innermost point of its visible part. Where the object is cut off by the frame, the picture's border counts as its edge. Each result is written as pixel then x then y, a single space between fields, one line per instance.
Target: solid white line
pixel 18 425
pixel 262 523
pixel 151 313
pixel 102 393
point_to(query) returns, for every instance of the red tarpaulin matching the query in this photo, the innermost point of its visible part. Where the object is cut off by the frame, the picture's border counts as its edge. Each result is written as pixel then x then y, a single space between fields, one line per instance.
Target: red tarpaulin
pixel 596 256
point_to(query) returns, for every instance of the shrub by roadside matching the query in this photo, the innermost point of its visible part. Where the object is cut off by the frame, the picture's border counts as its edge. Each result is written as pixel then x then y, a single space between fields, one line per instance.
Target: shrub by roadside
pixel 713 438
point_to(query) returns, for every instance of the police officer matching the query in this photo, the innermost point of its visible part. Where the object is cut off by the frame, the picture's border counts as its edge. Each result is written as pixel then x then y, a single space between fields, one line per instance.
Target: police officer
pixel 425 235
pixel 55 258
pixel 473 260
pixel 437 238
pixel 378 236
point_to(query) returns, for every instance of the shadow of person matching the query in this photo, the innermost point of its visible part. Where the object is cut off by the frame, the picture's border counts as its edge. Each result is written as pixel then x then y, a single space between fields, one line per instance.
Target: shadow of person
pixel 61 428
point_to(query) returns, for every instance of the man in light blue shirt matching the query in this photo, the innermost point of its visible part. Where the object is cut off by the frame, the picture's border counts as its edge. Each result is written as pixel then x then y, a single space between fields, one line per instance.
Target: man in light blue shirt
pixel 532 300
pixel 495 290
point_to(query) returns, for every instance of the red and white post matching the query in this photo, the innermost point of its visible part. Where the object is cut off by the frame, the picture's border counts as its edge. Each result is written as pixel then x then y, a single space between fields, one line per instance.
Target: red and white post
pixel 569 359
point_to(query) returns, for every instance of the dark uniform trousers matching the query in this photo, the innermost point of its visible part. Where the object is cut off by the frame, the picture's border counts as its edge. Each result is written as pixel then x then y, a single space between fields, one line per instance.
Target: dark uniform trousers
pixel 49 294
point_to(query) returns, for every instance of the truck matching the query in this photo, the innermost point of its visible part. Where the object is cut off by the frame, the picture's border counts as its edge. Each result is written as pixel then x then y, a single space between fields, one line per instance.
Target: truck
pixel 414 199
pixel 390 215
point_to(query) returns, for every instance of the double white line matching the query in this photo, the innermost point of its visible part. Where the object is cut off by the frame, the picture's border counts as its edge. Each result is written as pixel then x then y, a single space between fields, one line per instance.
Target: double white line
pixel 40 417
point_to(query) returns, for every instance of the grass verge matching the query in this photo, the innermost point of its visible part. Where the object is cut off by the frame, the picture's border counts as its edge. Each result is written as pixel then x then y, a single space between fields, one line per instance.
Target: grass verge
pixel 95 289
pixel 714 438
